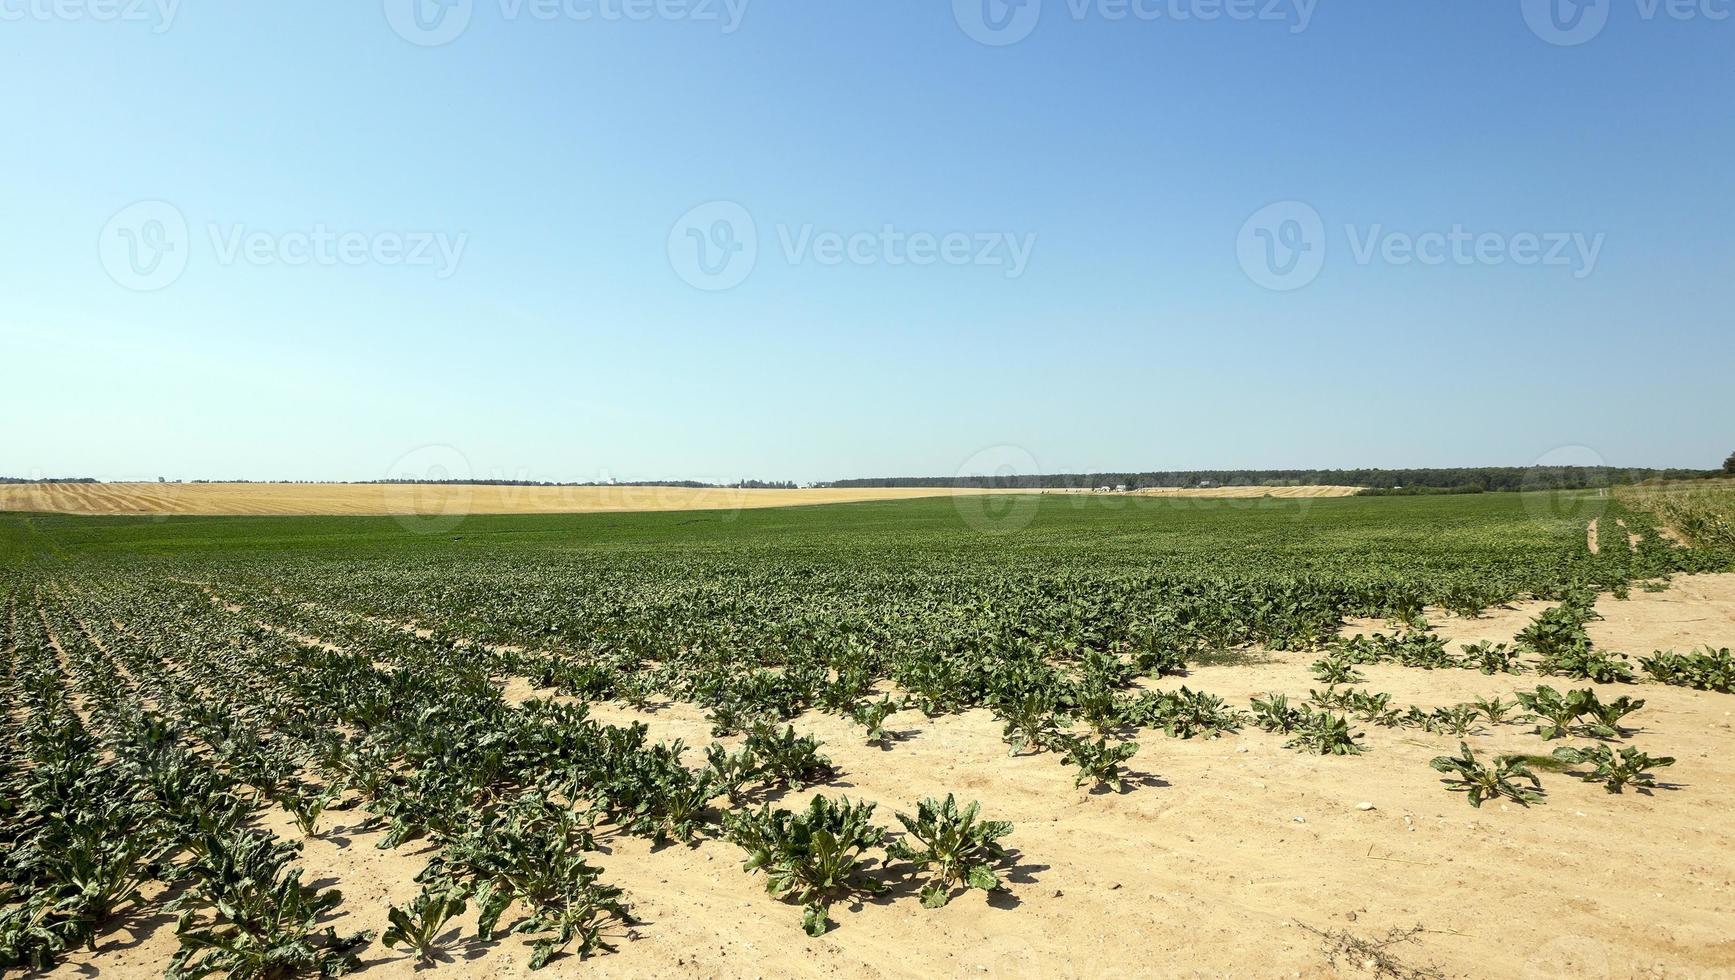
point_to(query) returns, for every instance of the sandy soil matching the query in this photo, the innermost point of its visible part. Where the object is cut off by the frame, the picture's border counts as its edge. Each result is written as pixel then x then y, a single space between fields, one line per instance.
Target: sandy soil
pixel 1694 611
pixel 1208 861
pixel 431 501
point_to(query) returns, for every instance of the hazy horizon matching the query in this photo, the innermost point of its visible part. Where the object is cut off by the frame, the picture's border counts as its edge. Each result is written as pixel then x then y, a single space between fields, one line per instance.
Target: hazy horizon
pixel 427 470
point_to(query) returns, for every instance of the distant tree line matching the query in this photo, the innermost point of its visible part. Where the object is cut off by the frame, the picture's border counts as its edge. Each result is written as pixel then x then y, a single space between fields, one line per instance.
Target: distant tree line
pixel 1471 479
pixel 1414 491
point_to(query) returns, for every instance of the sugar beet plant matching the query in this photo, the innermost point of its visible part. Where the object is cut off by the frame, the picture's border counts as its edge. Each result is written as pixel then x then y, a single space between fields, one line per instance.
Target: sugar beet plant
pixel 1703 670
pixel 248 915
pixel 820 855
pixel 1099 763
pixel 1505 778
pixel 1324 733
pixel 1561 629
pixel 872 715
pixel 1577 712
pixel 1615 770
pixel 1492 658
pixel 815 856
pixel 419 926
pixel 1336 670
pixel 1312 731
pixel 952 847
pixel 1181 714
pixel 530 852
pixel 1273 713
pixel 1028 721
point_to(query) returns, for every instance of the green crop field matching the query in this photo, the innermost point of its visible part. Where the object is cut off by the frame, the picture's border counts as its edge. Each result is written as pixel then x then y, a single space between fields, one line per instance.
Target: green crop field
pixel 168 680
pixel 1277 572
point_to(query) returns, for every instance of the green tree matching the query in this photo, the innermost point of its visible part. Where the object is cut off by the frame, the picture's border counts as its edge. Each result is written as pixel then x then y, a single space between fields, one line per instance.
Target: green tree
pixel 1729 464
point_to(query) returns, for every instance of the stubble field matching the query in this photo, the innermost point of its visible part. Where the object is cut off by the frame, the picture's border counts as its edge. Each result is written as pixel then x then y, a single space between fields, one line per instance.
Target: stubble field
pixel 437 501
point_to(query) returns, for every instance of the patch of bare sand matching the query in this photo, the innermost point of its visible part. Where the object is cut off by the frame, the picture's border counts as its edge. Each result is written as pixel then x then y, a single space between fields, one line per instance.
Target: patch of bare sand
pixel 1203 865
pixel 1497 625
pixel 1696 610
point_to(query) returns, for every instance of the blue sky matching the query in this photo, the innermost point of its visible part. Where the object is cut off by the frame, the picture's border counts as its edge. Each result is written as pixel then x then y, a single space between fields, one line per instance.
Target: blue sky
pixel 570 166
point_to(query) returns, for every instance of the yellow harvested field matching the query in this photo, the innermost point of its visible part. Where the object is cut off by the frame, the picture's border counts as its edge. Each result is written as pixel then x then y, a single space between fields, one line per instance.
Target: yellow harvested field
pixel 360 500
